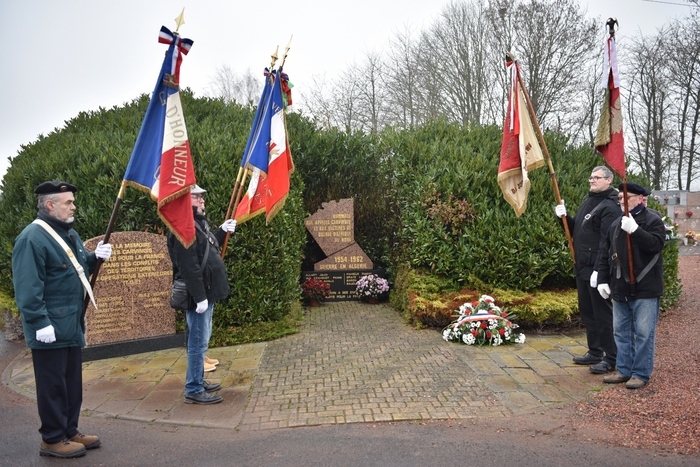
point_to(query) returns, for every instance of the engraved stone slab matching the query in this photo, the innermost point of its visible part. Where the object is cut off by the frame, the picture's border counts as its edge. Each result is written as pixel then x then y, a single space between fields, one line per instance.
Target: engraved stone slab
pixel 132 290
pixel 333 226
pixel 342 282
pixel 350 258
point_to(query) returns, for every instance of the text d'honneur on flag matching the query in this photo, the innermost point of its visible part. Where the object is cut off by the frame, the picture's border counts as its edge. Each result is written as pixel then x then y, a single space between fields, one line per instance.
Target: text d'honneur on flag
pixel 161 162
pixel 520 150
pixel 609 140
pixel 267 154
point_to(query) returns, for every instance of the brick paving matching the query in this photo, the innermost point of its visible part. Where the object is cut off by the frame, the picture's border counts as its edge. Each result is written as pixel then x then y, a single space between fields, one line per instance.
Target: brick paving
pixel 350 362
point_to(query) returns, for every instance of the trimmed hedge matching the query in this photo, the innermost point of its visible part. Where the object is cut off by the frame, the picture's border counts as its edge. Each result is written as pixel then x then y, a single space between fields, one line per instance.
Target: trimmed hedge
pixel 92 152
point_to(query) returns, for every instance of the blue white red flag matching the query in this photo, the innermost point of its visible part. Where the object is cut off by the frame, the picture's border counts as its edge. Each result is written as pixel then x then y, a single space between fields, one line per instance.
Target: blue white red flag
pixel 267 154
pixel 161 162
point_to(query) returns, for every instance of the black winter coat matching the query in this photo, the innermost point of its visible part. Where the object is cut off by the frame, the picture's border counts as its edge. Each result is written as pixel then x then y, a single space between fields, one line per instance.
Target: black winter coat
pixel 589 227
pixel 647 242
pixel 211 281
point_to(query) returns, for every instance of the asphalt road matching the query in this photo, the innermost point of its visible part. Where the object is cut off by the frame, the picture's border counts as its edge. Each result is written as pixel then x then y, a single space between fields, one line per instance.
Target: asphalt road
pixel 535 440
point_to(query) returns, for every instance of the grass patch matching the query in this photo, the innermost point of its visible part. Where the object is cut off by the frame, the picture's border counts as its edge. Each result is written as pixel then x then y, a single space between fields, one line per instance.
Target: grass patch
pixel 260 331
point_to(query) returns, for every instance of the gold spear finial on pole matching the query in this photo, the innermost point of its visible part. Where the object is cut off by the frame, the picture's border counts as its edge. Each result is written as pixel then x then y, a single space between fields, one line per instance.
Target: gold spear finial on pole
pixel 274 58
pixel 180 20
pixel 286 50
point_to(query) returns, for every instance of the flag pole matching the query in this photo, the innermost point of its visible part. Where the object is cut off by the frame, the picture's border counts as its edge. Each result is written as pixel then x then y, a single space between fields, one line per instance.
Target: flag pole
pixel 611 23
pixel 237 193
pixel 105 239
pixel 545 152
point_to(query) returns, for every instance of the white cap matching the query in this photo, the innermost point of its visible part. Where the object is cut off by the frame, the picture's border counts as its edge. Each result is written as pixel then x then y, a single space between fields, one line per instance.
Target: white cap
pixel 197 190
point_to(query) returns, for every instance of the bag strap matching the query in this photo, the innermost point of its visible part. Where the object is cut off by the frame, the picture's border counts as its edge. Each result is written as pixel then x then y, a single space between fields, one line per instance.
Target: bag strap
pixel 69 252
pixel 206 250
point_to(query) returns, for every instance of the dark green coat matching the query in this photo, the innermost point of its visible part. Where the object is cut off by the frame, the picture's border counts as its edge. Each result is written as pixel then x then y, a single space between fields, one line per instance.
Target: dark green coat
pixel 48 290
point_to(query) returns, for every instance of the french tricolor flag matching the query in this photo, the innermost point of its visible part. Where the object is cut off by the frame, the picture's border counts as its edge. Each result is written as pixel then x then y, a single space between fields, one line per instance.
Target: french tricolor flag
pixel 161 162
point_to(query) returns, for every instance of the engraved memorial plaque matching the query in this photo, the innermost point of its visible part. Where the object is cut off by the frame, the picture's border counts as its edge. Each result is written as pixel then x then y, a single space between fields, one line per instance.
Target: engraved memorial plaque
pixel 132 290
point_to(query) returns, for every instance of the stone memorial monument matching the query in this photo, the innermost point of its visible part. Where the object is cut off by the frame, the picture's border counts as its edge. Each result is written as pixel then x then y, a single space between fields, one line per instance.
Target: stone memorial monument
pixel 133 298
pixel 333 228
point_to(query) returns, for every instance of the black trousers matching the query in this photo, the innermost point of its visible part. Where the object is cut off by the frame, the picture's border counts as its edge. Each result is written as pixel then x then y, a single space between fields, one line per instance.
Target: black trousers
pixel 59 391
pixel 597 317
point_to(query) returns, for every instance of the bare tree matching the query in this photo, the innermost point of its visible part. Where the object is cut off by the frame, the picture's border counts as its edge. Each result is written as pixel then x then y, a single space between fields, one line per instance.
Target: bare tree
pixel 401 80
pixel 455 57
pixel 648 109
pixel 371 92
pixel 244 89
pixel 683 45
pixel 555 44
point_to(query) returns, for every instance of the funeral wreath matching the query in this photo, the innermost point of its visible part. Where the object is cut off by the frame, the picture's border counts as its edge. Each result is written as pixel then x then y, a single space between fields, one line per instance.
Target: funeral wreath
pixel 483 323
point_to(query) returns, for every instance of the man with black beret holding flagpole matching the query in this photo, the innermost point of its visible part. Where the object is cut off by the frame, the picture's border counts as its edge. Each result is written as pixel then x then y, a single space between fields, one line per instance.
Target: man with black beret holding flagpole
pixel 636 293
pixel 50 269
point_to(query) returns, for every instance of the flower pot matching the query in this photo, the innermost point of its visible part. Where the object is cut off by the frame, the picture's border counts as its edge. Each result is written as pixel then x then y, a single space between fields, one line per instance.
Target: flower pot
pixel 372 301
pixel 314 303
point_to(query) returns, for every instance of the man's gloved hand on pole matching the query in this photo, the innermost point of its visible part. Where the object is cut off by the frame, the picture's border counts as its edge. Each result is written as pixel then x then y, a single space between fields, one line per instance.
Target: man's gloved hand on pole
pixel 560 209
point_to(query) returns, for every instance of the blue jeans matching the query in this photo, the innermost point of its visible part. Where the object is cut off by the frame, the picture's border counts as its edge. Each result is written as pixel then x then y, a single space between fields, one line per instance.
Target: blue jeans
pixel 199 327
pixel 635 336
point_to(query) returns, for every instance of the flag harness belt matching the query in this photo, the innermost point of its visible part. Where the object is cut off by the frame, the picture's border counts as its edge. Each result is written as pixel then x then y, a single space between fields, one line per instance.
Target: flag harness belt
pixel 78 268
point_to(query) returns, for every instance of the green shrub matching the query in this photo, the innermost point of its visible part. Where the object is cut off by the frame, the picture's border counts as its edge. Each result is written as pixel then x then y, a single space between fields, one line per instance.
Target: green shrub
pixel 92 152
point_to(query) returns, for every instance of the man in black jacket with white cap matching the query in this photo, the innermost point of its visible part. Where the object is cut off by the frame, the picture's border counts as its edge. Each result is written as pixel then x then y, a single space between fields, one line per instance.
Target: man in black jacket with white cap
pixel 206 283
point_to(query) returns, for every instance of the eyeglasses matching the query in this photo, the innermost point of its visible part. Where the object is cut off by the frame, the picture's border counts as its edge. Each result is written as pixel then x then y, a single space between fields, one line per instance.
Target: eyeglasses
pixel 595 178
pixel 197 197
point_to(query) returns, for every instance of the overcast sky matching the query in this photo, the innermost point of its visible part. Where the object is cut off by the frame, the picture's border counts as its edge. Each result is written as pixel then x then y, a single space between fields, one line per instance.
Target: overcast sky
pixel 60 57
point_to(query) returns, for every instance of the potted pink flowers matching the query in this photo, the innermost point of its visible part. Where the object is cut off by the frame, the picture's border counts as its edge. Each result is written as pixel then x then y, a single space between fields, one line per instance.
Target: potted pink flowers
pixel 371 287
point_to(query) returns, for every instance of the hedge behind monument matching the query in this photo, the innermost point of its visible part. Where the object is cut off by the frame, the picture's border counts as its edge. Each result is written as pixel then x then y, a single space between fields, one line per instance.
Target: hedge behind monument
pixel 92 151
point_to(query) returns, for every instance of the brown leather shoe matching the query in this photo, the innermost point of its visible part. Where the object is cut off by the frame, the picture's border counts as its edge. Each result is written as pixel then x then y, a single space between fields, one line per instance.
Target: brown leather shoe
pixel 90 442
pixel 64 449
pixel 211 361
pixel 635 383
pixel 615 379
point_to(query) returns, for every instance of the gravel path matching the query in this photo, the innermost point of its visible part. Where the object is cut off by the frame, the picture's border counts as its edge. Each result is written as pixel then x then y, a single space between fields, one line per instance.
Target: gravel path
pixel 664 415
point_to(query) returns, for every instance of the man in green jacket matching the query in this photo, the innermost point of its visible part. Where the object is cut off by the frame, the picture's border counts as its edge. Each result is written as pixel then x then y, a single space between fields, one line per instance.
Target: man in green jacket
pixel 50 266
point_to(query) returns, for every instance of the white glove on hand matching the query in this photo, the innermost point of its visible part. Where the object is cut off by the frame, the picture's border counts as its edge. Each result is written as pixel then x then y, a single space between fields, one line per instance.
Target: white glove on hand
pixel 629 225
pixel 202 306
pixel 229 226
pixel 560 209
pixel 103 250
pixel 604 290
pixel 46 335
pixel 594 279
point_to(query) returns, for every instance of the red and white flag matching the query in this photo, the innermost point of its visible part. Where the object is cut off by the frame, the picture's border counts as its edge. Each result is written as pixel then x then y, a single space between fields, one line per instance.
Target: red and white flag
pixel 609 140
pixel 520 150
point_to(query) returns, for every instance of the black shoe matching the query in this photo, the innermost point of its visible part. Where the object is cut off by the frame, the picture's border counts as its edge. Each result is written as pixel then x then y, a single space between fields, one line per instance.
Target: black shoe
pixel 601 368
pixel 587 359
pixel 203 398
pixel 211 387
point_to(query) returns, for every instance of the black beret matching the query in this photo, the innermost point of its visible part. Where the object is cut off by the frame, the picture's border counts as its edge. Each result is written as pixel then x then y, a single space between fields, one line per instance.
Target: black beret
pixel 635 189
pixel 54 186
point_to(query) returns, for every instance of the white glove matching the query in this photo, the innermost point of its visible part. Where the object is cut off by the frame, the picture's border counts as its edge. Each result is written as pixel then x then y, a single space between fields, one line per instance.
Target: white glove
pixel 604 290
pixel 560 209
pixel 202 306
pixel 229 226
pixel 594 279
pixel 46 335
pixel 103 250
pixel 629 225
